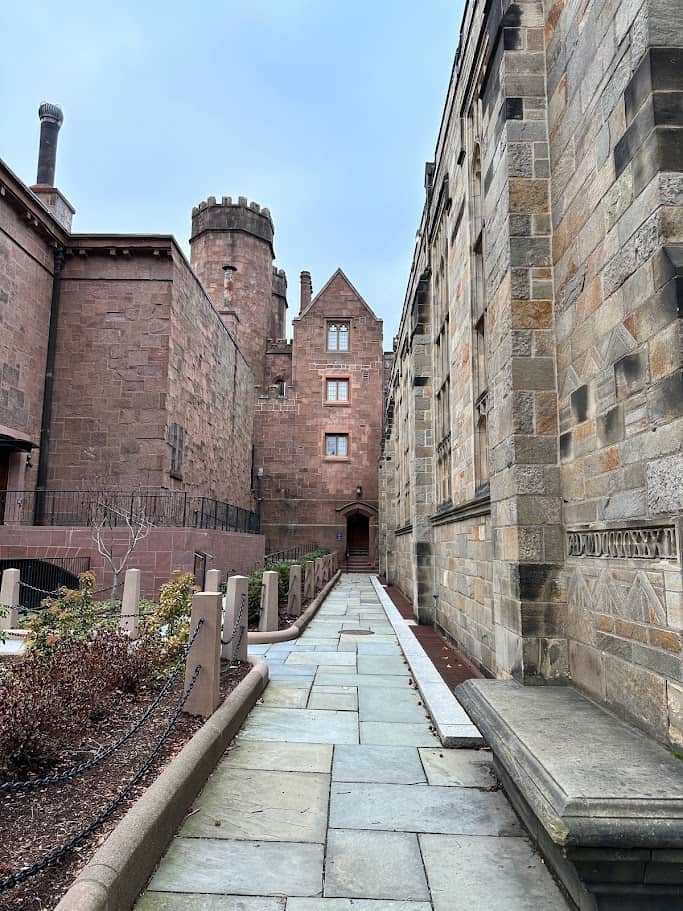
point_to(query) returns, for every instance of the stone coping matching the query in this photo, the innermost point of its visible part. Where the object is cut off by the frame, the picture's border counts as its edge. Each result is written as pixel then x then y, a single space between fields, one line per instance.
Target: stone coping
pixel 300 624
pixel 590 779
pixel 119 870
pixel 452 723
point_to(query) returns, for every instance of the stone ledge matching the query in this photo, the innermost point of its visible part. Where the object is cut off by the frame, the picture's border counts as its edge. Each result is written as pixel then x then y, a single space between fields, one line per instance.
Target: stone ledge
pixel 404 529
pixel 479 506
pixel 592 791
pixel 454 727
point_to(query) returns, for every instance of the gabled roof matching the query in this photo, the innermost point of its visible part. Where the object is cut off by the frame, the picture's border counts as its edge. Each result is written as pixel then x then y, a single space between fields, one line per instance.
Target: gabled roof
pixel 341 274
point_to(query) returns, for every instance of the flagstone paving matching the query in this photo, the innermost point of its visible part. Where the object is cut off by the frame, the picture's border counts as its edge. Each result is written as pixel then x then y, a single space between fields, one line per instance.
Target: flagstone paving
pixel 337 796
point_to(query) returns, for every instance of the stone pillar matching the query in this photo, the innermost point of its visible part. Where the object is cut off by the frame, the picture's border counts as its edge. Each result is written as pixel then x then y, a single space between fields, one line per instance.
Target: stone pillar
pixel 236 620
pixel 212 583
pixel 269 603
pixel 318 573
pixel 294 594
pixel 205 653
pixel 9 598
pixel 309 580
pixel 130 603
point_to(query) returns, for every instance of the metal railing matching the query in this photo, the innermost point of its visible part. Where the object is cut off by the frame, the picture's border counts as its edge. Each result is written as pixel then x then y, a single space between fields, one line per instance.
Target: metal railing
pixel 42 576
pixel 163 508
pixel 292 553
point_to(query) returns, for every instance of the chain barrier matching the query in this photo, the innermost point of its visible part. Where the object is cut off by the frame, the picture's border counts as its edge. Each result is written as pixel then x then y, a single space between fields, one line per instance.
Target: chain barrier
pixel 236 624
pixel 16 787
pixel 58 853
pixel 41 591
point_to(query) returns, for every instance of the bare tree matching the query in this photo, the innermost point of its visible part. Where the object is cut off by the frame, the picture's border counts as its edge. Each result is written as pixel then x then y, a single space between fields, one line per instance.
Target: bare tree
pixel 107 519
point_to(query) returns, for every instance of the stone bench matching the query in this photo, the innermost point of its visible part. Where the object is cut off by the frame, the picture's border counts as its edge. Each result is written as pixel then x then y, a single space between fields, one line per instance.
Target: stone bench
pixel 602 800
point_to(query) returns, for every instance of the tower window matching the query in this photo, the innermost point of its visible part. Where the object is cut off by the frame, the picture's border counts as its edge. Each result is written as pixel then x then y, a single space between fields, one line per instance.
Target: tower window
pixel 337 445
pixel 337 391
pixel 177 450
pixel 338 336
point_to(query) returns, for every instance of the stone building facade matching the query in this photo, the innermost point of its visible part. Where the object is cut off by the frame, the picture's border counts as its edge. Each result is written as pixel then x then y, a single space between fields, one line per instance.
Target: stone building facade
pixel 532 462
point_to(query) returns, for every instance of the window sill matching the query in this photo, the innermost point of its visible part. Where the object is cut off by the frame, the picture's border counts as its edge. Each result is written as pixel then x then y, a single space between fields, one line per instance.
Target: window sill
pixel 336 458
pixel 177 475
pixel 404 530
pixel 337 404
pixel 472 509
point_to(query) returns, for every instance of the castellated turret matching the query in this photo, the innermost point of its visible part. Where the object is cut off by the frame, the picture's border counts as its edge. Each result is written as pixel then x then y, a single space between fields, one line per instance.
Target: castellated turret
pixel 232 254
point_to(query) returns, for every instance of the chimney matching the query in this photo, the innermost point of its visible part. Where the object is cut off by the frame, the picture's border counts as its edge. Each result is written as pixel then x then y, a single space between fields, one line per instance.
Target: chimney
pixel 51 119
pixel 306 291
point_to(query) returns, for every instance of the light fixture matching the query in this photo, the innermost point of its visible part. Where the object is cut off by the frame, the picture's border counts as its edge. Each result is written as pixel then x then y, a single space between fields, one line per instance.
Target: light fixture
pixel 359 491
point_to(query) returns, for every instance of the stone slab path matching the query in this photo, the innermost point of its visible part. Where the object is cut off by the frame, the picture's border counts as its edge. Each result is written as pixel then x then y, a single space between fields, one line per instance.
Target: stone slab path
pixel 337 796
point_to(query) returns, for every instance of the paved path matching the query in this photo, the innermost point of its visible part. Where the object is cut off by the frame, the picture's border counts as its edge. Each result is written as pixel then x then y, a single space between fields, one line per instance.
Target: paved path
pixel 338 797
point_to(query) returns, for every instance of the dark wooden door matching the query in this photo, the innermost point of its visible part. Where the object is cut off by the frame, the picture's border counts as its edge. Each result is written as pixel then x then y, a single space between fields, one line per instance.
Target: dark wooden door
pixel 358 534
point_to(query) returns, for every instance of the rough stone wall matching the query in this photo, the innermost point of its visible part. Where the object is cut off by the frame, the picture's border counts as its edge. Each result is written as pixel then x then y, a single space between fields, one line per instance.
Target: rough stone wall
pixel 111 373
pixel 210 394
pixel 615 79
pixel 26 270
pixel 240 235
pixel 302 489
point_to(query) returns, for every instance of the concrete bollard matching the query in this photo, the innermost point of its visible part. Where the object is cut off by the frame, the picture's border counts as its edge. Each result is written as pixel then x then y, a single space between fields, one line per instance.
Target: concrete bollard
pixel 309 580
pixel 205 652
pixel 236 612
pixel 212 582
pixel 269 603
pixel 9 598
pixel 294 593
pixel 130 603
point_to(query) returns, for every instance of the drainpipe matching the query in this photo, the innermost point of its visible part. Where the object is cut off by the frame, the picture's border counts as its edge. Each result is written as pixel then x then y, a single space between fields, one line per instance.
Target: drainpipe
pixel 46 417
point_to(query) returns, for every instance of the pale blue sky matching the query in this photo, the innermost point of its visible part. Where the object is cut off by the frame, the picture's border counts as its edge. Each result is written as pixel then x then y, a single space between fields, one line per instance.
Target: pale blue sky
pixel 323 110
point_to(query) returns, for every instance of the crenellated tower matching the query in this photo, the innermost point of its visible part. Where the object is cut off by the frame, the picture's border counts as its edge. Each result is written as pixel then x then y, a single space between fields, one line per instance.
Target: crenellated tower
pixel 232 254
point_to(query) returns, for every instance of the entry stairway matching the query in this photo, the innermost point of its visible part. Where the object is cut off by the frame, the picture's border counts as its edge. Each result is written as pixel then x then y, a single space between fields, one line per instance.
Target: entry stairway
pixel 358 561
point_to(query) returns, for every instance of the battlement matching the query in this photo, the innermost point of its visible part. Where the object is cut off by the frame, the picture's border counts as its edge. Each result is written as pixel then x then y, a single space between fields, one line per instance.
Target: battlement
pixel 279 282
pixel 229 215
pixel 279 346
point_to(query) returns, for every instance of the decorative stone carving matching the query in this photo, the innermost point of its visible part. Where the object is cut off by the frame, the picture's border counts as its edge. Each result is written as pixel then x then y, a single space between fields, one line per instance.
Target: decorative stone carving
pixel 624 543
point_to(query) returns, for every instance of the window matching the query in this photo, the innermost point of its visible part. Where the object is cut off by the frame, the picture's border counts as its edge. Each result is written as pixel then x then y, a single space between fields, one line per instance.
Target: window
pixel 481 407
pixel 338 336
pixel 177 447
pixel 337 391
pixel 336 445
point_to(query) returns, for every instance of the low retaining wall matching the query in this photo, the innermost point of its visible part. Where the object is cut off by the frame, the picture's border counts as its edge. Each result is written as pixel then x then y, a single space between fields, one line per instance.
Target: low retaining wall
pixel 120 869
pixel 157 556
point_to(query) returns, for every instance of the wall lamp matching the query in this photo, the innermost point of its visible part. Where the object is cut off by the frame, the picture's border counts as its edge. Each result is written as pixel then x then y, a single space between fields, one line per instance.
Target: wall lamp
pixel 359 491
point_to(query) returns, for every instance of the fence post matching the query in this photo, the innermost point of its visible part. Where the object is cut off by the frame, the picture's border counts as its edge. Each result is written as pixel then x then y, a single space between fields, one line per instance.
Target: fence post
pixel 9 598
pixel 205 653
pixel 309 580
pixel 294 593
pixel 130 603
pixel 236 619
pixel 212 582
pixel 269 598
pixel 318 573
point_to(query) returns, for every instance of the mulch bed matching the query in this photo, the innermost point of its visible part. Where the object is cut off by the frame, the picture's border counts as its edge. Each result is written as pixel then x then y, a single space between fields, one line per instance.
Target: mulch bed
pixel 31 825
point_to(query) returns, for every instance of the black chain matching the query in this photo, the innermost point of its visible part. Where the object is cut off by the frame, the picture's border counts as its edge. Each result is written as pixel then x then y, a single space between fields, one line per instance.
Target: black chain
pixel 16 878
pixel 236 624
pixel 16 787
pixel 42 591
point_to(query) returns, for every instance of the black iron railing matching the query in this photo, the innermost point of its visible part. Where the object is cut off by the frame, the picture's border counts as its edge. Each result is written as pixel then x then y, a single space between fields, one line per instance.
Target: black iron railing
pixel 292 553
pixel 162 508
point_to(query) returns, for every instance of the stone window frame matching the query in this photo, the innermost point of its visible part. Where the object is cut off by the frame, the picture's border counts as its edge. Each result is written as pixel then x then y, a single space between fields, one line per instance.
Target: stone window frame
pixel 337 403
pixel 340 321
pixel 336 433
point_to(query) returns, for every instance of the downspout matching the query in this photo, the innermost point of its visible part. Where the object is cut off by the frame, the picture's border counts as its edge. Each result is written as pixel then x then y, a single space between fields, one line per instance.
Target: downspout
pixel 48 387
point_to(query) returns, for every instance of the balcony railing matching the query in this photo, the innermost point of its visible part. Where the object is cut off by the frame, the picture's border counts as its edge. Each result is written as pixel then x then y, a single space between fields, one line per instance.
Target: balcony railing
pixel 161 508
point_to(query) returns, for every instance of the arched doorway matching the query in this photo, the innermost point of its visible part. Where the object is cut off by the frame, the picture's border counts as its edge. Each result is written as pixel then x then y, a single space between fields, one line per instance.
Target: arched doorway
pixel 358 535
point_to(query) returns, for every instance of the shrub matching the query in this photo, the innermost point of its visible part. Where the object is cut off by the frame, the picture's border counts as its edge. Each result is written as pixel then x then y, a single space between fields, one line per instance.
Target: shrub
pixel 70 615
pixel 47 698
pixel 281 567
pixel 172 617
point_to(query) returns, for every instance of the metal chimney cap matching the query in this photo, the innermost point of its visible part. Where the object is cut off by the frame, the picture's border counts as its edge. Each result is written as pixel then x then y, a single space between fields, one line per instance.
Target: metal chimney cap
pixel 51 112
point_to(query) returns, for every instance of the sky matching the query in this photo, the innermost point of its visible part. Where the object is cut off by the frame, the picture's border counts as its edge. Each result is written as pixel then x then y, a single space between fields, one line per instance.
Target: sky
pixel 324 111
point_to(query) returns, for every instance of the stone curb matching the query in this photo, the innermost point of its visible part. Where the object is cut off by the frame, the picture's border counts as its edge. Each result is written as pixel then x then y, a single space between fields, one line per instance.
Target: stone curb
pixel 299 625
pixel 452 723
pixel 120 869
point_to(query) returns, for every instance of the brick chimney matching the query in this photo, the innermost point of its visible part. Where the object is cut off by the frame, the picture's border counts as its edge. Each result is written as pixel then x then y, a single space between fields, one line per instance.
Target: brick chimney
pixel 306 291
pixel 51 119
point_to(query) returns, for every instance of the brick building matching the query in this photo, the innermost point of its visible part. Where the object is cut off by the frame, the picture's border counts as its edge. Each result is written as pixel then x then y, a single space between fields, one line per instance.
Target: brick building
pixel 125 369
pixel 532 472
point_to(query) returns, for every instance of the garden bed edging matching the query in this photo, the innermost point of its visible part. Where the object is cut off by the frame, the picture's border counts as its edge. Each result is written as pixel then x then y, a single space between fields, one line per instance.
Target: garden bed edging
pixel 300 624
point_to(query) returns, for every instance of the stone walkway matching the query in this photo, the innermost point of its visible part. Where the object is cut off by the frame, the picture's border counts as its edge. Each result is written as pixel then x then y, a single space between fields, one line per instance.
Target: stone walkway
pixel 338 797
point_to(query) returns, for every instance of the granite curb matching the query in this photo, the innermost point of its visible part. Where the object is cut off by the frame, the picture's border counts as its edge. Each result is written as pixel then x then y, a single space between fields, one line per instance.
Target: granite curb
pixel 300 624
pixel 452 723
pixel 119 870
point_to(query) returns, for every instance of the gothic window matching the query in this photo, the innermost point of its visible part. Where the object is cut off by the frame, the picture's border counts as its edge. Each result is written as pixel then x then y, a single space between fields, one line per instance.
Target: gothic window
pixel 177 449
pixel 442 371
pixel 338 336
pixel 481 405
pixel 281 387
